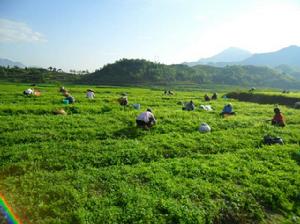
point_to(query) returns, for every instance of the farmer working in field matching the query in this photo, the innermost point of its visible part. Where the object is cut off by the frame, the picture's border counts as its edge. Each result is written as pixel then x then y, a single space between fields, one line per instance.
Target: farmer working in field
pixel 146 119
pixel 206 97
pixel 189 106
pixel 278 118
pixel 62 89
pixel 28 92
pixel 123 101
pixel 214 96
pixel 70 98
pixel 90 94
pixel 227 110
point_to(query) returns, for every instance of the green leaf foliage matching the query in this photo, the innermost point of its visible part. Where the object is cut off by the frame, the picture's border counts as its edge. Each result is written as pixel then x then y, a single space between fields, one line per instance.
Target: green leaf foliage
pixel 94 165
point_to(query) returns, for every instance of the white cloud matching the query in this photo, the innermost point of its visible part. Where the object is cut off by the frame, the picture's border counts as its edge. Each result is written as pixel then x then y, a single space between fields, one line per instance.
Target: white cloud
pixel 12 32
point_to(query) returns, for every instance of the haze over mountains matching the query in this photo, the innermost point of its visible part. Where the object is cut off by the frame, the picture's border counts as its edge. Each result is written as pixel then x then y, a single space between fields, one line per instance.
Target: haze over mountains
pixel 229 55
pixel 289 56
pixel 6 62
pixel 285 60
pixel 285 56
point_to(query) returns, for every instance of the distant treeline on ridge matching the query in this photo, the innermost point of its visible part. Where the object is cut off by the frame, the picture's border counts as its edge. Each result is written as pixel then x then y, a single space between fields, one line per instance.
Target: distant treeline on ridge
pixel 143 72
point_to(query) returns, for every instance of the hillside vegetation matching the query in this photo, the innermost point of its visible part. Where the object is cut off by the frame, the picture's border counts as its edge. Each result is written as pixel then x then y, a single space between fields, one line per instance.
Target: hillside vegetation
pixel 142 72
pixel 94 166
pixel 35 75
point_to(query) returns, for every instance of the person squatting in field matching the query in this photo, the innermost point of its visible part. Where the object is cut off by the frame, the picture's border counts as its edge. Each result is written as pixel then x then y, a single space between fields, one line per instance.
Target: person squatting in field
pixel 62 89
pixel 227 110
pixel 189 106
pixel 278 118
pixel 28 92
pixel 90 94
pixel 70 98
pixel 206 97
pixel 214 96
pixel 123 101
pixel 146 119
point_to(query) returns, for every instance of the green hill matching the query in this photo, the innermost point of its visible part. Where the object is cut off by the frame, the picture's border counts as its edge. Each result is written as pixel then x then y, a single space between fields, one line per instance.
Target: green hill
pixel 142 72
pixel 136 71
pixel 35 75
pixel 131 71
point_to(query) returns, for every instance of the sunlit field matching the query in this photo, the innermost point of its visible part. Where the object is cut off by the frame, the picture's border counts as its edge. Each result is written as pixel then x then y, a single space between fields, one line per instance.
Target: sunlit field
pixel 94 165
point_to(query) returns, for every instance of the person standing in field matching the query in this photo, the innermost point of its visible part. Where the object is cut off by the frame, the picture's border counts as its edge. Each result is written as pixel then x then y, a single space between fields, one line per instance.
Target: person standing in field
pixel 278 118
pixel 90 94
pixel 146 119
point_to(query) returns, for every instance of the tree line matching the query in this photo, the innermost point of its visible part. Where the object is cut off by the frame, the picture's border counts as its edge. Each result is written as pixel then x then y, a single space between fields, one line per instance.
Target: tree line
pixel 140 71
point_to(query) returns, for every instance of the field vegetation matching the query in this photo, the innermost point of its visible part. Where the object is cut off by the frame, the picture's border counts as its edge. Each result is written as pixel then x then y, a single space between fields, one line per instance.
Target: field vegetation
pixel 94 166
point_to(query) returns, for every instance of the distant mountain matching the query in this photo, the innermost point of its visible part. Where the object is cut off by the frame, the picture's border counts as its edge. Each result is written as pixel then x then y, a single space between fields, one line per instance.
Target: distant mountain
pixel 228 56
pixel 286 56
pixel 6 62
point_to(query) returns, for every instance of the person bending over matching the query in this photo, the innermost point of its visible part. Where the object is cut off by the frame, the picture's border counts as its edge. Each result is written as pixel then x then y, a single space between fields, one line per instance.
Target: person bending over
pixel 70 98
pixel 146 119
pixel 227 110
pixel 189 106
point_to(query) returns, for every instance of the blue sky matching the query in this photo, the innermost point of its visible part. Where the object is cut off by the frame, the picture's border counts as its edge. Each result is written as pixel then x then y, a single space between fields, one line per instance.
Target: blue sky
pixel 86 34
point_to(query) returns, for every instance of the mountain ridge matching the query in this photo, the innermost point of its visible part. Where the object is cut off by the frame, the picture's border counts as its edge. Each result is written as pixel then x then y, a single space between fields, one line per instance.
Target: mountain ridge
pixel 285 56
pixel 6 62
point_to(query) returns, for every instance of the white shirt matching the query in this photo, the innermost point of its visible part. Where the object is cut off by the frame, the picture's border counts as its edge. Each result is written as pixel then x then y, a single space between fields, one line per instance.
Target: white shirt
pixel 204 128
pixel 145 116
pixel 90 95
pixel 206 107
pixel 29 91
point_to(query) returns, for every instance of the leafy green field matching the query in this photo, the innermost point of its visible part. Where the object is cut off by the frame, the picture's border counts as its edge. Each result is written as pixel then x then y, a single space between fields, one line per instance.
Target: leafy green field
pixel 94 166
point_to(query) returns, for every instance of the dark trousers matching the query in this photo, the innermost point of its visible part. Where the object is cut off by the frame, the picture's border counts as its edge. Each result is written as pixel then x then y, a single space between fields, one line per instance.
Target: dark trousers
pixel 277 123
pixel 143 124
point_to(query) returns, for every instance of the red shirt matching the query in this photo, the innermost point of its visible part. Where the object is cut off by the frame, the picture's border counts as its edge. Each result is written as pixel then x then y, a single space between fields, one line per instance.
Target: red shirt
pixel 278 118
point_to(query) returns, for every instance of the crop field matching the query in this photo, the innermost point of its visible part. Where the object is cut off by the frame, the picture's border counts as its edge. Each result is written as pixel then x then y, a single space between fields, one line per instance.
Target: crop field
pixel 94 165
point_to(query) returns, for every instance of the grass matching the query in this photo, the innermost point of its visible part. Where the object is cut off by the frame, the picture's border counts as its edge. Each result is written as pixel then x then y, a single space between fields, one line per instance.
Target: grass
pixel 94 166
